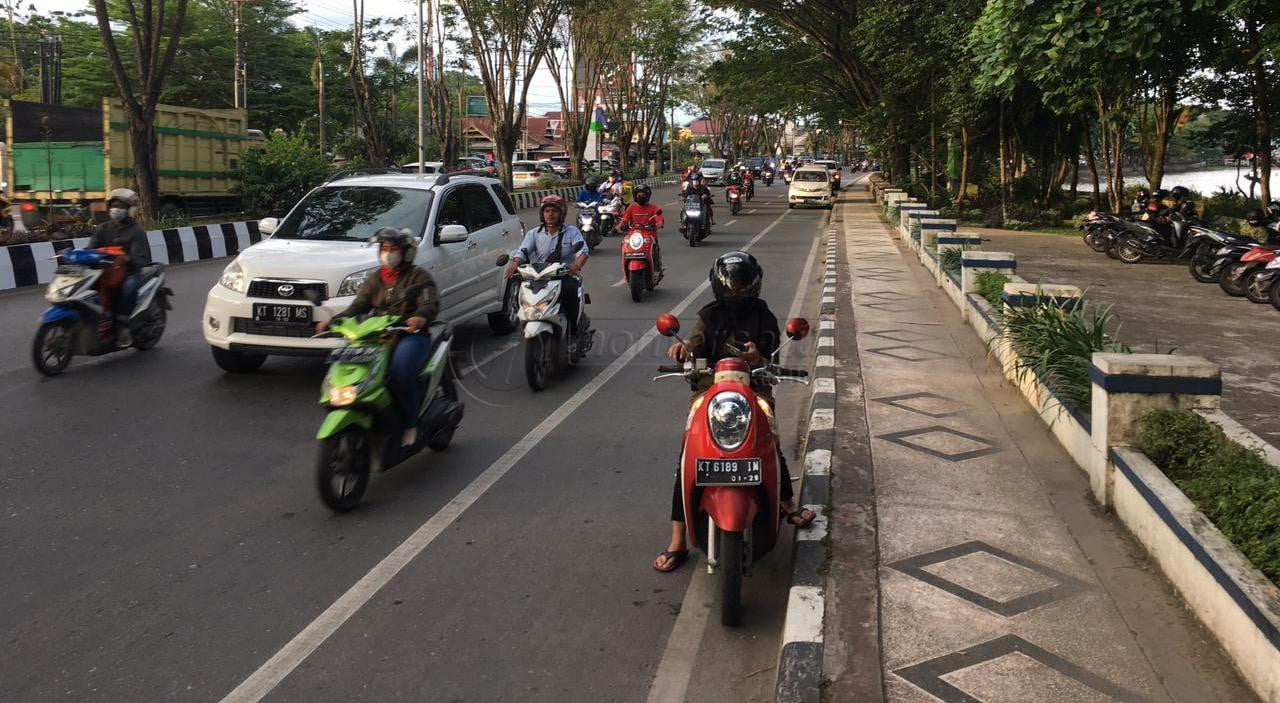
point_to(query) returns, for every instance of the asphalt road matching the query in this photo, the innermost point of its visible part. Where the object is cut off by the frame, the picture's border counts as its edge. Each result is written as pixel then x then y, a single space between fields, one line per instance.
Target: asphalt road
pixel 163 539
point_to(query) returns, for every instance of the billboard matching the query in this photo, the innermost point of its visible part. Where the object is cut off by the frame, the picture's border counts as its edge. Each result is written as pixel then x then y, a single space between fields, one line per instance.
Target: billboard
pixel 477 106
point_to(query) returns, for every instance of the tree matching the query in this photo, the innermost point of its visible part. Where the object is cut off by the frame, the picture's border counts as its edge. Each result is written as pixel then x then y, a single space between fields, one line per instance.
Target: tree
pixel 149 23
pixel 583 46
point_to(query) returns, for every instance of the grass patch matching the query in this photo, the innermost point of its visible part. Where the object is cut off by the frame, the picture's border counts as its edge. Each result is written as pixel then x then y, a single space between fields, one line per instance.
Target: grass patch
pixel 991 286
pixel 949 260
pixel 1231 484
pixel 1056 345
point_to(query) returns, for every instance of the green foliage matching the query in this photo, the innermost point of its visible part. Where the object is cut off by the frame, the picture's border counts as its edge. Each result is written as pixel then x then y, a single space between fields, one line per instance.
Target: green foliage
pixel 991 286
pixel 1056 345
pixel 1231 484
pixel 276 177
pixel 949 259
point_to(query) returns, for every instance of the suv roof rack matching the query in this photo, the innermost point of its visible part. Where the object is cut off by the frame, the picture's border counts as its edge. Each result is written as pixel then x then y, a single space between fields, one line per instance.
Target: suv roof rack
pixel 369 171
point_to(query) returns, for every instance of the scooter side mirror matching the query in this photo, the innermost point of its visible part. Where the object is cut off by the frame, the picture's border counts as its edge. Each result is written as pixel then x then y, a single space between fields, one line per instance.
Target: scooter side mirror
pixel 503 260
pixel 797 328
pixel 668 325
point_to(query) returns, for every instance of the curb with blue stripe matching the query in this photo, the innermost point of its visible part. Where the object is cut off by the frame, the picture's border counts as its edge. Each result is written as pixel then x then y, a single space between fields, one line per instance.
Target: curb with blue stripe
pixel 800 659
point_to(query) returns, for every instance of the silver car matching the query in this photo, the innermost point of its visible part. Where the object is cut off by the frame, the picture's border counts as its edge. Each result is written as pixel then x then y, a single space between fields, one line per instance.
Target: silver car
pixel 713 170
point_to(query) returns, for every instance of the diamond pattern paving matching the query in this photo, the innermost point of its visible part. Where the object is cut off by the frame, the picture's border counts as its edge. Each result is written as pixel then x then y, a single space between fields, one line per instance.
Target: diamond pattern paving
pixel 900 335
pixel 908 352
pixel 942 442
pixel 922 403
pixel 990 577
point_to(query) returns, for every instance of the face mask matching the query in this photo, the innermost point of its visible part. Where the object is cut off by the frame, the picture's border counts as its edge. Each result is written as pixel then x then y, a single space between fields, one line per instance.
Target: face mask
pixel 117 214
pixel 391 259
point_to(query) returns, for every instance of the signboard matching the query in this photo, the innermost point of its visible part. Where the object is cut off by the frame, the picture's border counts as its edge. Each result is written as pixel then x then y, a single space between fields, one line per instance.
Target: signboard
pixel 477 106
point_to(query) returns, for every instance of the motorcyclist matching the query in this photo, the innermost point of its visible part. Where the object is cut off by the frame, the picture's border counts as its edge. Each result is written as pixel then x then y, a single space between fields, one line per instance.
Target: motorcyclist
pixel 642 212
pixel 749 178
pixel 1140 199
pixel 1182 203
pixel 612 186
pixel 539 246
pixel 385 293
pixel 696 186
pixel 122 230
pixel 589 196
pixel 737 318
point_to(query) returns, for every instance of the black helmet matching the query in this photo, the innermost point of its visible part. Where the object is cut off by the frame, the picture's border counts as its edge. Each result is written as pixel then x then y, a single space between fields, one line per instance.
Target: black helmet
pixel 1143 194
pixel 592 182
pixel 1179 193
pixel 615 174
pixel 736 275
pixel 398 237
pixel 642 193
pixel 1255 217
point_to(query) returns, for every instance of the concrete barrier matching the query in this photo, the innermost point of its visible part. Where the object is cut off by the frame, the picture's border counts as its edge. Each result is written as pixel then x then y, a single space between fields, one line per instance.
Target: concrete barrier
pixel 1022 294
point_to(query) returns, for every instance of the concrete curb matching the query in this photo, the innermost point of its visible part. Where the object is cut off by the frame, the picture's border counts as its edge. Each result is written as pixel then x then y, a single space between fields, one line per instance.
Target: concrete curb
pixel 800 658
pixel 32 264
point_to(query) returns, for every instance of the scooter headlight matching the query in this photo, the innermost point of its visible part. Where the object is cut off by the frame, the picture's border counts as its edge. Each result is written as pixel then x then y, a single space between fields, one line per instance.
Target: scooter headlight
pixel 636 240
pixel 233 277
pixel 729 417
pixel 342 396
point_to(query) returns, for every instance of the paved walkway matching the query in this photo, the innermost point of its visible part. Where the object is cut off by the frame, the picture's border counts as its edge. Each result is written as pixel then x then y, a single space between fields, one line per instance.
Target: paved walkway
pixel 998 581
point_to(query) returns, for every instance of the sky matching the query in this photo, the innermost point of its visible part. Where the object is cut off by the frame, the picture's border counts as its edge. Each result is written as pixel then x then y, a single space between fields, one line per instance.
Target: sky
pixel 337 14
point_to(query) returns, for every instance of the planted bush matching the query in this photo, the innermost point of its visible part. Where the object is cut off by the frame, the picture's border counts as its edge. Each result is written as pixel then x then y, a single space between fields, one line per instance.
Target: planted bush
pixel 1232 485
pixel 991 286
pixel 1057 344
pixel 949 260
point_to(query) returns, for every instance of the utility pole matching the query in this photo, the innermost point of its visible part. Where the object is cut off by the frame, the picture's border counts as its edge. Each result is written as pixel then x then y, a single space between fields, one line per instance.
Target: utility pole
pixel 422 107
pixel 672 138
pixel 240 73
pixel 320 86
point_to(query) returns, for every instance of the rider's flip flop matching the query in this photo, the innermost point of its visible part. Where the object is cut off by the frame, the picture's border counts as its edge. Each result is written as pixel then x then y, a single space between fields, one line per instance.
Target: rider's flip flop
pixel 674 557
pixel 799 515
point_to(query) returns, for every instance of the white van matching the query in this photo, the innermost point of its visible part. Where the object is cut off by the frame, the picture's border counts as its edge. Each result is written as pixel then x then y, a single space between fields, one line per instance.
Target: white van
pixel 810 185
pixel 260 305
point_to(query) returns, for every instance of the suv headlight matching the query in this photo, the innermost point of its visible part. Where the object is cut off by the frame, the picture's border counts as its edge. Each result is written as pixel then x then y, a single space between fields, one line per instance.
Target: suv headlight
pixel 233 278
pixel 729 417
pixel 351 284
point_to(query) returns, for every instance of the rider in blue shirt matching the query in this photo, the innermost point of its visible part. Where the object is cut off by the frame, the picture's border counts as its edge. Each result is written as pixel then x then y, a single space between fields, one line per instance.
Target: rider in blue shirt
pixel 539 246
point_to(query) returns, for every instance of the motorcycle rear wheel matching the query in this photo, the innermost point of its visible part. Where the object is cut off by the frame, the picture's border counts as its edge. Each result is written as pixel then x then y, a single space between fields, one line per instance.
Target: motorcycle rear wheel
pixel 441 442
pixel 342 469
pixel 730 555
pixel 1256 291
pixel 1113 250
pixel 537 362
pixel 1128 253
pixel 1095 241
pixel 1231 285
pixel 51 350
pixel 1199 268
pixel 1274 296
pixel 638 279
pixel 152 329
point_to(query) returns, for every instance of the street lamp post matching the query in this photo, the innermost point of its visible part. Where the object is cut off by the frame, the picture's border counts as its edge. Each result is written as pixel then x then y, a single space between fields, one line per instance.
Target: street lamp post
pixel 422 66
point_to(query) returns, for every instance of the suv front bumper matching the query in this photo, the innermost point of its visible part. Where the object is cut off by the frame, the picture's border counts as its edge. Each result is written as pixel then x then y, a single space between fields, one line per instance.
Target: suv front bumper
pixel 227 323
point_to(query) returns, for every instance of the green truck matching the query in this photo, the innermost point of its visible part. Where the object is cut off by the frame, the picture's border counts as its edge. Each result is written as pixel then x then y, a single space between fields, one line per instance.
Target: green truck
pixel 62 155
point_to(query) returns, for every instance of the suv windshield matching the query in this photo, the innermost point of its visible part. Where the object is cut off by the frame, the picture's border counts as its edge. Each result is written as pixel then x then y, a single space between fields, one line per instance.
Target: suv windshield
pixel 354 213
pixel 811 176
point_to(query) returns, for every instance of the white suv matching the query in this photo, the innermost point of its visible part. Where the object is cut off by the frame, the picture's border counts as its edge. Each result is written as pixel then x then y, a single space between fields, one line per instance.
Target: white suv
pixel 261 303
pixel 810 185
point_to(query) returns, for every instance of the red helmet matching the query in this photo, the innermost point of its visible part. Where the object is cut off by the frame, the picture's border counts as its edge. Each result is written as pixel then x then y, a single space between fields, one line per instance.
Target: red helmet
pixel 554 201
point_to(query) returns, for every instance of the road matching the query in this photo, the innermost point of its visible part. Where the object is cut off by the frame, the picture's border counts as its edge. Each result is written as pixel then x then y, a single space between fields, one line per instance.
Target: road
pixel 163 540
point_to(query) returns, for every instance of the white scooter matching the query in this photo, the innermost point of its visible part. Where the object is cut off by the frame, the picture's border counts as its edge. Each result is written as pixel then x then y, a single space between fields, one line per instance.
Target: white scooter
pixel 587 216
pixel 548 349
pixel 610 213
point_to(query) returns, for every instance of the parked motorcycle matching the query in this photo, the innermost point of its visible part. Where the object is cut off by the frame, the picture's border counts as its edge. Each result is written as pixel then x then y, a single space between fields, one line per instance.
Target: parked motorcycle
pixel 361 434
pixel 638 265
pixel 729 465
pixel 587 222
pixel 734 195
pixel 1236 278
pixel 80 321
pixel 548 347
pixel 1166 241
pixel 695 224
pixel 1229 267
pixel 1205 243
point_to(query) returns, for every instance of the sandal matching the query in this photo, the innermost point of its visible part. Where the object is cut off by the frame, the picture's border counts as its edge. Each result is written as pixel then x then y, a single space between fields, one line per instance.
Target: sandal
pixel 800 515
pixel 674 559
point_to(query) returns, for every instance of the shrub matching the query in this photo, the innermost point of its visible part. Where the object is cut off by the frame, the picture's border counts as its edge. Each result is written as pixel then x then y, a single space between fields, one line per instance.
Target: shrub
pixel 974 215
pixel 1231 484
pixel 1057 345
pixel 949 260
pixel 1227 203
pixel 991 286
pixel 275 177
pixel 1017 224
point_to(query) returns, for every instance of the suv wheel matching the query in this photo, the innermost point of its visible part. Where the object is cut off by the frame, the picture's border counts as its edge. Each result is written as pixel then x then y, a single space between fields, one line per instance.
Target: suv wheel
pixel 237 362
pixel 506 321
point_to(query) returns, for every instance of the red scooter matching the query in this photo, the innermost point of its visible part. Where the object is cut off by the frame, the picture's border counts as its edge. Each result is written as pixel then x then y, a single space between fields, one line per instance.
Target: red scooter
pixel 638 266
pixel 1242 279
pixel 729 473
pixel 734 195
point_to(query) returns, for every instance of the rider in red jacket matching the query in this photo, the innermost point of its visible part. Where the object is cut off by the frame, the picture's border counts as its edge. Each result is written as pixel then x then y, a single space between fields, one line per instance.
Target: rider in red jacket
pixel 642 212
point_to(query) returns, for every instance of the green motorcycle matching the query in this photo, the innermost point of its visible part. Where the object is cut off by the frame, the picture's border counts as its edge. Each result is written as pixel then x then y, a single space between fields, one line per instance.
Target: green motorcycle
pixel 361 434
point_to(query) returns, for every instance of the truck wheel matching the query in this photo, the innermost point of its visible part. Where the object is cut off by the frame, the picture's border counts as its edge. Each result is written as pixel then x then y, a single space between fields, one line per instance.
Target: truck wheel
pixel 508 319
pixel 237 362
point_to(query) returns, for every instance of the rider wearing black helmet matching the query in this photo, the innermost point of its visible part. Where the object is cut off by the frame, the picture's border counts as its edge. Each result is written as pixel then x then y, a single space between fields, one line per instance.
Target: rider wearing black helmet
pixel 1182 204
pixel 1140 199
pixel 644 212
pixel 399 288
pixel 738 323
pixel 697 185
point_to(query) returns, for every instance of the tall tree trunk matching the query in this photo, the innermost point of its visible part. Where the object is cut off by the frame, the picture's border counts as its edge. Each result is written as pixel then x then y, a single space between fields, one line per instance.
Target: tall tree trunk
pixel 1261 110
pixel 1004 171
pixel 1165 120
pixel 1089 160
pixel 962 193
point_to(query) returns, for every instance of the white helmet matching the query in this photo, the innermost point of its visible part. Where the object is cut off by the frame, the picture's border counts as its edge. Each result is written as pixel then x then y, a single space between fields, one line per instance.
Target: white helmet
pixel 126 196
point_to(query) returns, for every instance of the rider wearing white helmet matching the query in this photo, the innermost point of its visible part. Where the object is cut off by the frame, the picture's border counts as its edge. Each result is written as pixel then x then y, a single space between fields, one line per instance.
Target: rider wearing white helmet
pixel 123 230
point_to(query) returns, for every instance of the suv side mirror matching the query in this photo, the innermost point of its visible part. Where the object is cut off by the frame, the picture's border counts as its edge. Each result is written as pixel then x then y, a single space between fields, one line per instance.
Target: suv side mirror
pixel 453 234
pixel 267 226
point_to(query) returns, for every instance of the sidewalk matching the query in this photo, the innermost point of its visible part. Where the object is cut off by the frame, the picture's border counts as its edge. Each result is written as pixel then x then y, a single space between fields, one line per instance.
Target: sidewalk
pixel 997 578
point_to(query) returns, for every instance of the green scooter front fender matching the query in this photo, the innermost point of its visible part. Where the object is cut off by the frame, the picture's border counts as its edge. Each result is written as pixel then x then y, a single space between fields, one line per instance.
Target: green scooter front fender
pixel 340 419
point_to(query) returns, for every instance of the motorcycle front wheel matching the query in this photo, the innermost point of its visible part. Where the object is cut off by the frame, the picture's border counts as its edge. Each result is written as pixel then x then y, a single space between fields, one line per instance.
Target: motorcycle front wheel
pixel 730 555
pixel 1231 280
pixel 1275 296
pixel 51 350
pixel 1257 289
pixel 537 362
pixel 637 284
pixel 1095 241
pixel 1199 268
pixel 1128 252
pixel 342 469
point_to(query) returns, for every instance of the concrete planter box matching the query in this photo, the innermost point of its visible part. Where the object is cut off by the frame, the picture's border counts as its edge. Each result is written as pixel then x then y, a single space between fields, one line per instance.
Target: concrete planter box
pixel 951 287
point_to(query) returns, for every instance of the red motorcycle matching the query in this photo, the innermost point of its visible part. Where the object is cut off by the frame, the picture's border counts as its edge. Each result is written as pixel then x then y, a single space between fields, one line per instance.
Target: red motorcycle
pixel 734 195
pixel 638 267
pixel 1242 279
pixel 729 473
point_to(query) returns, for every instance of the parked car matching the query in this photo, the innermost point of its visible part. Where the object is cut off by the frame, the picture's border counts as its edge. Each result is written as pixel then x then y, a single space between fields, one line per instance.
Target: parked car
pixel 563 165
pixel 260 305
pixel 810 185
pixel 429 168
pixel 525 174
pixel 712 170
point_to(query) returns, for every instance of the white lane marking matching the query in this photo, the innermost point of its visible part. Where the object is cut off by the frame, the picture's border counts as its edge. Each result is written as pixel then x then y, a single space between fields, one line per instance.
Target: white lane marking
pixel 817 462
pixel 730 223
pixel 804 615
pixel 619 284
pixel 797 303
pixel 283 662
pixel 671 679
pixel 817 529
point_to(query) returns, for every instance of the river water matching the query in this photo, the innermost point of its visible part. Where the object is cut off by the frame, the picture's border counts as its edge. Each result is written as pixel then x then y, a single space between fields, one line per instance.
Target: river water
pixel 1206 182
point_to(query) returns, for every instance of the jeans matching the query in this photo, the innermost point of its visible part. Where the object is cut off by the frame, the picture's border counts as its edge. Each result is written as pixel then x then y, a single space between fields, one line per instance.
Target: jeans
pixel 569 302
pixel 127 296
pixel 407 388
